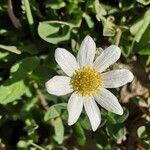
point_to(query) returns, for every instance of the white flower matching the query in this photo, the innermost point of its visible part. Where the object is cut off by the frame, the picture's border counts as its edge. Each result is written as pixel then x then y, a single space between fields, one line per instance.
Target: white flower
pixel 86 81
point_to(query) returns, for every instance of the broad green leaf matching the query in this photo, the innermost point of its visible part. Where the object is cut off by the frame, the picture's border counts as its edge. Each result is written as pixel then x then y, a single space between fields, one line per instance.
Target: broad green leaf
pixel 24 67
pixel 145 51
pixel 79 132
pixel 12 49
pixel 27 64
pixel 11 92
pixel 30 104
pixel 85 123
pixel 43 73
pixel 123 117
pixel 54 31
pixel 136 26
pixel 102 138
pixel 31 127
pixel 110 117
pixel 56 4
pixel 141 43
pixel 108 27
pixel 114 118
pixel 59 130
pixel 143 46
pixel 145 59
pixel 144 2
pixel 148 61
pixel 3 55
pixel 30 48
pixel 88 20
pixel 22 144
pixel 116 131
pixel 144 26
pixel 108 30
pixel 100 11
pixel 143 132
pixel 54 111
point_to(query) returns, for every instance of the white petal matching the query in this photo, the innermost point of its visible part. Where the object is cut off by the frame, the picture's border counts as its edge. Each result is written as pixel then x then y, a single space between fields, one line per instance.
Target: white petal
pixel 116 78
pixel 93 112
pixel 66 61
pixel 108 101
pixel 86 52
pixel 108 57
pixel 59 85
pixel 74 107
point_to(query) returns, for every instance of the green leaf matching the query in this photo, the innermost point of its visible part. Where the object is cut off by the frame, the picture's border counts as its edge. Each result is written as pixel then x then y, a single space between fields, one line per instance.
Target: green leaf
pixel 110 117
pixel 79 132
pixel 30 104
pixel 24 67
pixel 114 118
pixel 59 130
pixel 3 55
pixel 31 126
pixel 28 64
pixel 141 42
pixel 145 51
pixel 88 20
pixel 54 111
pixel 144 2
pixel 12 49
pixel 143 132
pixel 123 117
pixel 85 123
pixel 116 131
pixel 11 92
pixel 143 46
pixel 54 31
pixel 145 59
pixel 108 30
pixel 30 48
pixel 144 26
pixel 108 27
pixel 56 4
pixel 22 144
pixel 136 26
pixel 102 138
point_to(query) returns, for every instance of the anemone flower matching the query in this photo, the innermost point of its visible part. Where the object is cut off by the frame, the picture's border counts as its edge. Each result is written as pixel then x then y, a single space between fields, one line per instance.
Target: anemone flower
pixel 87 82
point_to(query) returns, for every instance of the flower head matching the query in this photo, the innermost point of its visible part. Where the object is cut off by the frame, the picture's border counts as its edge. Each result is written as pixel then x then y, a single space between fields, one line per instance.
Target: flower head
pixel 87 82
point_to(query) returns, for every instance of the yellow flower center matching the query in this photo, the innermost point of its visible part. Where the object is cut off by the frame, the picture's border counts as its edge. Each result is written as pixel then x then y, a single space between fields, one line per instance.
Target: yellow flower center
pixel 86 81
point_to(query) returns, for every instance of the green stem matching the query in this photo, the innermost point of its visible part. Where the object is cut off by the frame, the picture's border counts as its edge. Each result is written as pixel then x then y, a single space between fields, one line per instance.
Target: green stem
pixel 118 36
pixel 37 146
pixel 29 16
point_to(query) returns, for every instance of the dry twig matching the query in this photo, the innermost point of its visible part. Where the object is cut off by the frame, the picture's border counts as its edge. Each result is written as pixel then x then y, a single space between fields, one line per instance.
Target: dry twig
pixel 14 19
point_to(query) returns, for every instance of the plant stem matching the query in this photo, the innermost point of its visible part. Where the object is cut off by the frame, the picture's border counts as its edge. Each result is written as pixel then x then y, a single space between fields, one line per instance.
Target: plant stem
pixel 14 19
pixel 37 146
pixel 29 16
pixel 41 96
pixel 118 36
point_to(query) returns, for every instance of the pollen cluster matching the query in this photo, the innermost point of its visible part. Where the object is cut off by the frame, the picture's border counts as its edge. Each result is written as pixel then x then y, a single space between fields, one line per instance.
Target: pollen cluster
pixel 86 81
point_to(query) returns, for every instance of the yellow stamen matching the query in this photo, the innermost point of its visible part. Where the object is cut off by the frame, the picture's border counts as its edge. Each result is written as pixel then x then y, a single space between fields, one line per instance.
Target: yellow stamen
pixel 86 81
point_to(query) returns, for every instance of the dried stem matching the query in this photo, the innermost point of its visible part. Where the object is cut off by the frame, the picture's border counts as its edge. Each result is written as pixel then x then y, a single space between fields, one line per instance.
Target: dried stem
pixel 43 101
pixel 15 21
pixel 41 97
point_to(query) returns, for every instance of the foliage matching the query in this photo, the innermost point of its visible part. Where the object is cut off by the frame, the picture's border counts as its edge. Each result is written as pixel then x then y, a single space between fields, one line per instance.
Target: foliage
pixel 27 62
